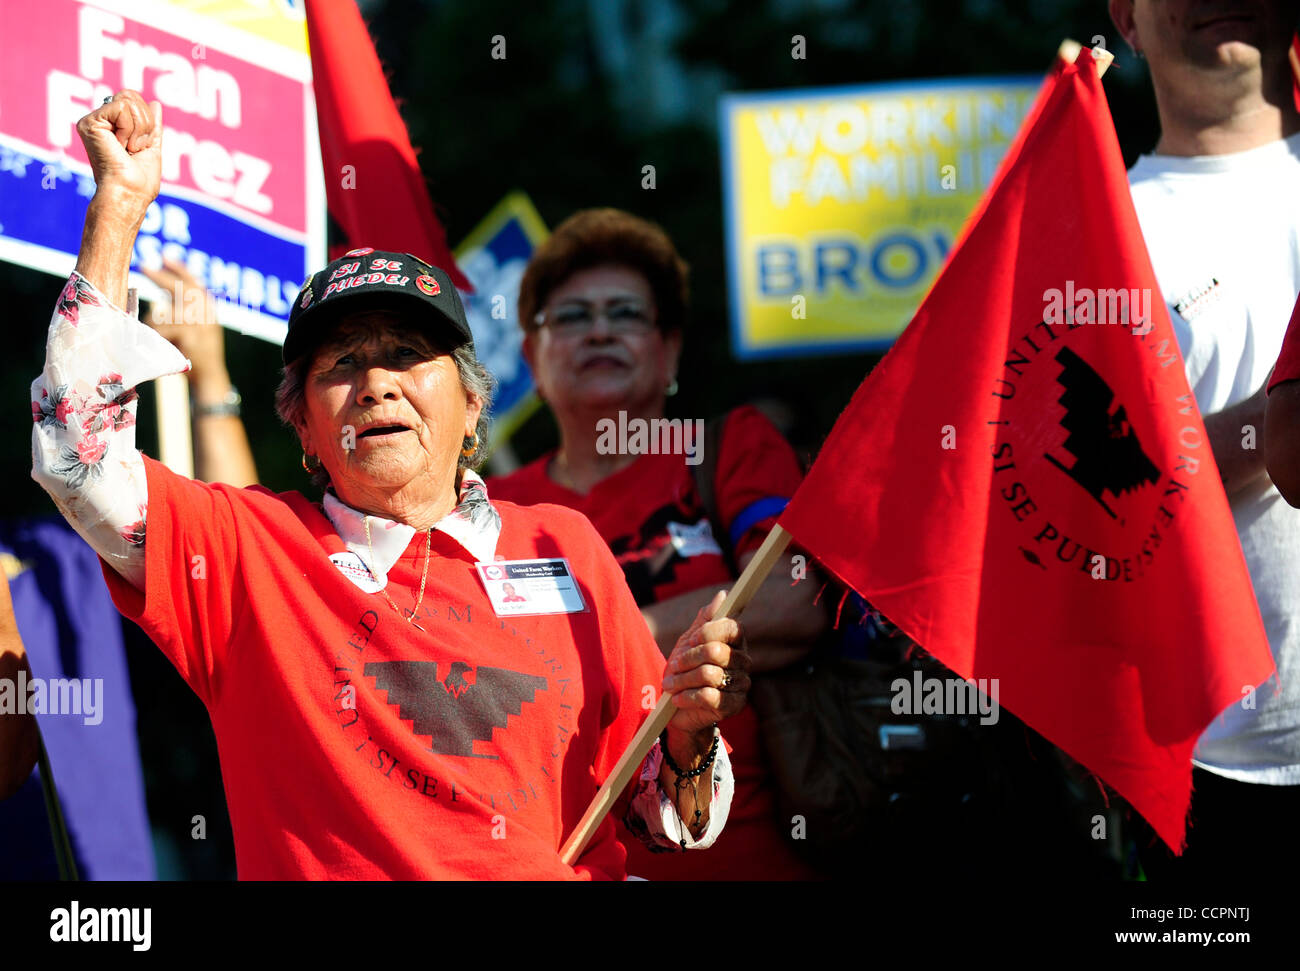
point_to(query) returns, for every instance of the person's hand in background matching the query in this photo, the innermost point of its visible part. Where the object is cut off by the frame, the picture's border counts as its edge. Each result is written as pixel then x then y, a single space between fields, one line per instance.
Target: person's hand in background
pixel 187 316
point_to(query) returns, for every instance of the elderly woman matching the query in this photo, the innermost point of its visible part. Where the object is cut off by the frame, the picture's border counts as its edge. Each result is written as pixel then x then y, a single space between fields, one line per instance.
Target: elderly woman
pixel 379 710
pixel 603 306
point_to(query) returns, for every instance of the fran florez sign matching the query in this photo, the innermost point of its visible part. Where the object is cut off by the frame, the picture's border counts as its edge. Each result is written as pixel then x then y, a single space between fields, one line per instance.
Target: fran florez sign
pixel 242 202
pixel 842 203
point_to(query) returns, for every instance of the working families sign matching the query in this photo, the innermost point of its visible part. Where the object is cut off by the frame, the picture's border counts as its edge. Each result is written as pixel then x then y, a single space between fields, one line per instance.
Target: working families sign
pixel 242 202
pixel 842 203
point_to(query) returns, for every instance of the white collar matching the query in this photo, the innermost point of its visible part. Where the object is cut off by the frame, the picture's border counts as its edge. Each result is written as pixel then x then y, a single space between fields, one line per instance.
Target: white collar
pixel 474 524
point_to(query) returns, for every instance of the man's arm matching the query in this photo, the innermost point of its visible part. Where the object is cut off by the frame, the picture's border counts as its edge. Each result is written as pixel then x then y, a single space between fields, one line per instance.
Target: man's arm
pixel 19 738
pixel 1239 465
pixel 1282 440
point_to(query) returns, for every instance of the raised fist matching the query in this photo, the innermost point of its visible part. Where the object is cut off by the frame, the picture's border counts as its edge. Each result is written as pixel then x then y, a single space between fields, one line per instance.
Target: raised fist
pixel 123 140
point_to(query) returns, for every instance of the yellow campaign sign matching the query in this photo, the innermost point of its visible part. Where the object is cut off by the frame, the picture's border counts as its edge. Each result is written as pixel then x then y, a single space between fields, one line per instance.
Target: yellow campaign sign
pixel 279 22
pixel 843 203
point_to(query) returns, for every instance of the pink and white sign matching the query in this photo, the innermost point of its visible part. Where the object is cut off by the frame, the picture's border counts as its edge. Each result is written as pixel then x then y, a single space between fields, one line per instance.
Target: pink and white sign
pixel 242 201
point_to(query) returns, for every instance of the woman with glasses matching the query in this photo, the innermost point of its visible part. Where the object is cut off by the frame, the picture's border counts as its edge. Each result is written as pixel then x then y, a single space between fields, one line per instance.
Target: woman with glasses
pixel 603 305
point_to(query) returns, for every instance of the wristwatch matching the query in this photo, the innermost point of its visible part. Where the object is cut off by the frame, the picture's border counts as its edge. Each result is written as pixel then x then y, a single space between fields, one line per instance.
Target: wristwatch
pixel 227 407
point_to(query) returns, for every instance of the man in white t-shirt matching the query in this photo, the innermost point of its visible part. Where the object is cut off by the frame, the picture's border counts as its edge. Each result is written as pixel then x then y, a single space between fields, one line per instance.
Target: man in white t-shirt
pixel 1219 206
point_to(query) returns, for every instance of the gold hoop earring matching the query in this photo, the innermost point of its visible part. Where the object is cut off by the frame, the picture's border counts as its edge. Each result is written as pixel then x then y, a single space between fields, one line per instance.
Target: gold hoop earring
pixel 470 446
pixel 313 468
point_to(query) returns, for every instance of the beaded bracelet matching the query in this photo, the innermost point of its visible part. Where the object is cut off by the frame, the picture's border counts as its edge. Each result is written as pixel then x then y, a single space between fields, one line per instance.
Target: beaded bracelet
pixel 690 778
pixel 698 770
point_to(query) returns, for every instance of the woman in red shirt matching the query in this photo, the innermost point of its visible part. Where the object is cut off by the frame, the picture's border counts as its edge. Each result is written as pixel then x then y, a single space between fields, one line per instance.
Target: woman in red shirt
pixel 378 713
pixel 603 306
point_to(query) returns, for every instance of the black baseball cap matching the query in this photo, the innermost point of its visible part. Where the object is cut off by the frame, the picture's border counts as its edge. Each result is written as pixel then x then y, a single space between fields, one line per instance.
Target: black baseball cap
pixel 371 279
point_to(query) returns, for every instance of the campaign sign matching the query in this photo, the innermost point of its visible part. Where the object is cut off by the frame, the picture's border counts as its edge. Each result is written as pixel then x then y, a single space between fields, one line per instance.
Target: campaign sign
pixel 242 201
pixel 493 257
pixel 842 203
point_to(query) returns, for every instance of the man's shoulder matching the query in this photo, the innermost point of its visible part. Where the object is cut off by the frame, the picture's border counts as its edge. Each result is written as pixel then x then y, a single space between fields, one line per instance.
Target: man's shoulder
pixel 1187 172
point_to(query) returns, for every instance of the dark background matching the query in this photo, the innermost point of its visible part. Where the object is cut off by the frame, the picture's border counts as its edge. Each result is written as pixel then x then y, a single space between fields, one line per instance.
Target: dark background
pixel 588 93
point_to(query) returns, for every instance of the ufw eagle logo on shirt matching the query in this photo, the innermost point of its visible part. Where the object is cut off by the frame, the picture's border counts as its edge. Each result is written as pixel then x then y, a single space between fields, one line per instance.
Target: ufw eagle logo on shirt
pixel 463 707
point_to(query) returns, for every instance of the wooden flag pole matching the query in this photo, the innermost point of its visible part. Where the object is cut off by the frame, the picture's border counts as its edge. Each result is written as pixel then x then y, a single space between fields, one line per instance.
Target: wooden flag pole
pixel 1069 50
pixel 175 444
pixel 741 593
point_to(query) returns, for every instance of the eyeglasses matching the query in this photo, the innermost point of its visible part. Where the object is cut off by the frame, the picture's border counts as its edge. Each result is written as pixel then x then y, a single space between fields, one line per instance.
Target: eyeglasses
pixel 572 319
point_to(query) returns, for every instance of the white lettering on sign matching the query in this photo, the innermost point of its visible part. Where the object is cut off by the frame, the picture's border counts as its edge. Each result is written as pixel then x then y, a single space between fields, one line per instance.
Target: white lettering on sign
pixel 171 79
pixel 165 233
pixel 893 147
pixel 206 92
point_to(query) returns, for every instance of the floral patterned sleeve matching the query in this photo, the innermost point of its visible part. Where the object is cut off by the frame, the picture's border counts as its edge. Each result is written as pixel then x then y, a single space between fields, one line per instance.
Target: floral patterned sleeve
pixel 653 819
pixel 83 406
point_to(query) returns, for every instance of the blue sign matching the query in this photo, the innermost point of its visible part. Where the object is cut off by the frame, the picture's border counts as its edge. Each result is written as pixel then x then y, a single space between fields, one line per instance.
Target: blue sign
pixel 493 257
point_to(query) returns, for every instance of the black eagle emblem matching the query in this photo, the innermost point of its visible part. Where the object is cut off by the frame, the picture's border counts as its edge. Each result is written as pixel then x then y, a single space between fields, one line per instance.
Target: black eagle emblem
pixel 463 708
pixel 1107 454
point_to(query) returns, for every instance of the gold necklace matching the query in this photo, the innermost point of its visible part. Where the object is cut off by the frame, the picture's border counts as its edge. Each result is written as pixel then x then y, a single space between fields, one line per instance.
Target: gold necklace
pixel 428 548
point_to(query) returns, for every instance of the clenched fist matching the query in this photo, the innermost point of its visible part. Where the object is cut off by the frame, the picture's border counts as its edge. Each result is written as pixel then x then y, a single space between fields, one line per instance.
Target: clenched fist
pixel 123 140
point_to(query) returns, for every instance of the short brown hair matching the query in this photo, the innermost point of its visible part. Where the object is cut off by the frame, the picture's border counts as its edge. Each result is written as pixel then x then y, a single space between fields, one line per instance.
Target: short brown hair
pixel 593 237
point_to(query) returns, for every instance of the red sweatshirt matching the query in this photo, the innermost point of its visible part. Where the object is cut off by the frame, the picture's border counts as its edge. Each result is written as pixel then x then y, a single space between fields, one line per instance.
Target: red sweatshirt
pixel 354 745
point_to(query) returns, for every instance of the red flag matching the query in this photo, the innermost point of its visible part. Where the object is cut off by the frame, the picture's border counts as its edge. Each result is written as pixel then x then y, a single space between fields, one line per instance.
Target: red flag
pixel 1294 55
pixel 1287 367
pixel 1031 496
pixel 381 200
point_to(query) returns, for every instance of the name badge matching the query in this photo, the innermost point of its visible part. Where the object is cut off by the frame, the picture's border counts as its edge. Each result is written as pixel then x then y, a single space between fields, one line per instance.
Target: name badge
pixel 694 540
pixel 518 587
